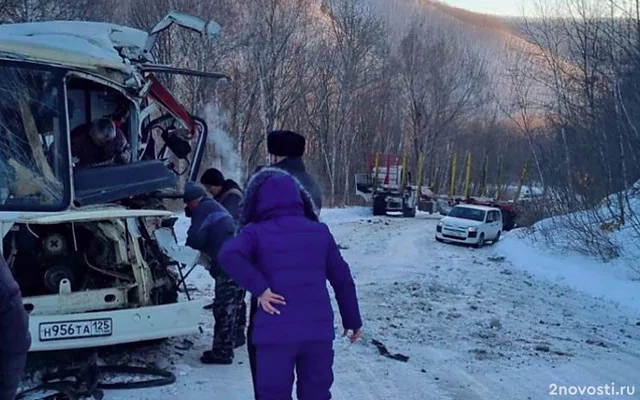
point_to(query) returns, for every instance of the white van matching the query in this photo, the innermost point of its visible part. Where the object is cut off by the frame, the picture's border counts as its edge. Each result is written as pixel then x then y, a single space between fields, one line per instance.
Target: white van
pixel 470 224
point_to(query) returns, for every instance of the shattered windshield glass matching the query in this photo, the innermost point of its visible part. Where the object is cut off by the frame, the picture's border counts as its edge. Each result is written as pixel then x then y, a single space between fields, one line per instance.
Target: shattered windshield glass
pixel 33 149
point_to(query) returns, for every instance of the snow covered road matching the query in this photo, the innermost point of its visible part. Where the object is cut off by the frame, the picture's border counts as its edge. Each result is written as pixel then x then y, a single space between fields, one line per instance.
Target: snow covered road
pixel 472 325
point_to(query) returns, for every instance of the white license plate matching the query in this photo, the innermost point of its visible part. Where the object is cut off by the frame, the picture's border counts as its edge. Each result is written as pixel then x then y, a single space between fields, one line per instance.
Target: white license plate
pixel 76 329
pixel 457 234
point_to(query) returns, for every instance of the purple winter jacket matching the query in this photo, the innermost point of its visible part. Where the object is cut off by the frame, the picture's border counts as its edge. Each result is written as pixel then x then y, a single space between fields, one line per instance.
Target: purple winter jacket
pixel 282 246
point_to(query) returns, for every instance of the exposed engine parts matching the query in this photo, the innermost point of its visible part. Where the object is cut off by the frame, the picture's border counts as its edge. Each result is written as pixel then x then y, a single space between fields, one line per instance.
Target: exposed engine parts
pixel 94 255
pixel 54 244
pixel 55 275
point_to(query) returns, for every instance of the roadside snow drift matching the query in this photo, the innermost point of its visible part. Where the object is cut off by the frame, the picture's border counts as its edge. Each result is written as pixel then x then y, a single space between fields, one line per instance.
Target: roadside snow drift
pixel 549 249
pixel 612 281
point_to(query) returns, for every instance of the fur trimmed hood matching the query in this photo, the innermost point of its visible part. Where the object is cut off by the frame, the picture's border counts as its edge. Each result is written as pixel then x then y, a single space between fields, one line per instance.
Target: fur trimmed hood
pixel 273 192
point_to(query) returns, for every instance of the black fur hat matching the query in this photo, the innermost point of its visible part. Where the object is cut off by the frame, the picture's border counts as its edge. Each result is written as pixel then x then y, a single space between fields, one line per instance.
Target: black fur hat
pixel 285 143
pixel 212 177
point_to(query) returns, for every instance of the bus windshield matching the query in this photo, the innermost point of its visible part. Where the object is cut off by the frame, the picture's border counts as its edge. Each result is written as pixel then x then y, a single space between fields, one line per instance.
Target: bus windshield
pixel 33 142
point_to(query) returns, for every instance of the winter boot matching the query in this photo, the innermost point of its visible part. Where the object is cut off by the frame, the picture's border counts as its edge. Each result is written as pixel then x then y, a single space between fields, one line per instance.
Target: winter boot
pixel 216 357
pixel 208 307
pixel 240 339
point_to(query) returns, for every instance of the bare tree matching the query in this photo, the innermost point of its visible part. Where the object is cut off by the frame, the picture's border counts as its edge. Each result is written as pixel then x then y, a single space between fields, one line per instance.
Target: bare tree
pixel 46 10
pixel 523 106
pixel 355 37
pixel 545 34
pixel 344 72
pixel 443 80
pixel 278 47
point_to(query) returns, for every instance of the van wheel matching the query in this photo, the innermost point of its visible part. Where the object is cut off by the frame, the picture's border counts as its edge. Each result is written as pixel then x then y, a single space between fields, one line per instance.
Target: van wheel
pixel 480 243
pixel 497 238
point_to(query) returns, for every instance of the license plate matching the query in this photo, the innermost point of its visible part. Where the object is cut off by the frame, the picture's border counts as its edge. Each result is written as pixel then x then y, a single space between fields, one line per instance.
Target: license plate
pixel 76 329
pixel 457 234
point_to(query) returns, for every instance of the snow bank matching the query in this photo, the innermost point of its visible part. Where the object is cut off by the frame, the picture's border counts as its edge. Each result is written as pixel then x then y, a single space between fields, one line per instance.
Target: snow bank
pixel 555 248
pixel 598 232
pixel 612 281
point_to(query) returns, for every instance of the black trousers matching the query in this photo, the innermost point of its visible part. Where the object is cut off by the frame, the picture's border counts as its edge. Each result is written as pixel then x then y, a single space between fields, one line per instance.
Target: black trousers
pixel 11 371
pixel 250 347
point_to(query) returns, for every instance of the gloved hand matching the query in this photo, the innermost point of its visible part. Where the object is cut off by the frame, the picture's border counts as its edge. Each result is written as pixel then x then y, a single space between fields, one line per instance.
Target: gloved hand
pixel 187 212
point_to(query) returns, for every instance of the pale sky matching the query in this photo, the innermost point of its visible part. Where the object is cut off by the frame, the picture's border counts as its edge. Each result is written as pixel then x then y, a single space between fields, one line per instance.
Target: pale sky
pixel 498 7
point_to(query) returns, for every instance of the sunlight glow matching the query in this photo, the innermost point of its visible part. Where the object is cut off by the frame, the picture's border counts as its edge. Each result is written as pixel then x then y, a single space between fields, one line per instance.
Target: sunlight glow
pixel 496 7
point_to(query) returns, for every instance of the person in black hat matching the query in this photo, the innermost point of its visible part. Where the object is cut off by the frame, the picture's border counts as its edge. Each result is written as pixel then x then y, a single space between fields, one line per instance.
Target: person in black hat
pixel 286 149
pixel 228 193
pixel 225 191
pixel 211 226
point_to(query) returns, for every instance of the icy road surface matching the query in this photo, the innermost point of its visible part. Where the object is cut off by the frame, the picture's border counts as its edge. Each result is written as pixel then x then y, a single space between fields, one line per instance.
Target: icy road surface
pixel 473 326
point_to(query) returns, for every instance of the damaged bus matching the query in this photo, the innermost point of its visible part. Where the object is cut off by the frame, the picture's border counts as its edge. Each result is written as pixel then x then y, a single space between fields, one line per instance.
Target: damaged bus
pixel 93 248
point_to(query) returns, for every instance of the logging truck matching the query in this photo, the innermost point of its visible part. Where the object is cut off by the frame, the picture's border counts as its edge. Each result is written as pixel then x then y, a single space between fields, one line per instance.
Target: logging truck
pixel 388 186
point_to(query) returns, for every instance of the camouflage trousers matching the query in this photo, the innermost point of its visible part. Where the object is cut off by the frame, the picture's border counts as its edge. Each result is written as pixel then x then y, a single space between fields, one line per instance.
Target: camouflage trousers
pixel 227 306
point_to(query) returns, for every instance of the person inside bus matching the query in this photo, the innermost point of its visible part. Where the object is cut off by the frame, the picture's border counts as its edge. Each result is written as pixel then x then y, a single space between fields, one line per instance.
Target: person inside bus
pixel 99 143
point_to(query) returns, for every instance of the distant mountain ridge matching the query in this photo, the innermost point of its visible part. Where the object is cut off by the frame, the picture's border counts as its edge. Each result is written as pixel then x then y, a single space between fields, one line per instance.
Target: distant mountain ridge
pixel 509 49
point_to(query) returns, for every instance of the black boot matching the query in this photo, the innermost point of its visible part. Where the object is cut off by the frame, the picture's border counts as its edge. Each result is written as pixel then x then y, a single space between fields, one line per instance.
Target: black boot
pixel 216 357
pixel 240 339
pixel 208 307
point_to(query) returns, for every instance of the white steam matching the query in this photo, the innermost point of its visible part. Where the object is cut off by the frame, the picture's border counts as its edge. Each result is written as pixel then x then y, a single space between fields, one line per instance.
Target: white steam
pixel 224 154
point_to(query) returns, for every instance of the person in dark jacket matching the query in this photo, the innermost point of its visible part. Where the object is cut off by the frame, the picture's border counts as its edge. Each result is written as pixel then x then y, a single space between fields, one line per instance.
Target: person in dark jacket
pixel 228 193
pixel 15 339
pixel 99 143
pixel 284 257
pixel 286 149
pixel 211 226
pixel 225 191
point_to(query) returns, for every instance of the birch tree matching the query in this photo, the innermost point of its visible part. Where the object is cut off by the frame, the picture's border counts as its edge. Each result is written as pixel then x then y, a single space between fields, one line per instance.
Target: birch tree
pixel 353 44
pixel 278 45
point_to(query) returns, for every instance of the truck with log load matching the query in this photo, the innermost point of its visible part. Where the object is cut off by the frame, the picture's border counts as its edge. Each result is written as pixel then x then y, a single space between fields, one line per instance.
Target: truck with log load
pixel 388 186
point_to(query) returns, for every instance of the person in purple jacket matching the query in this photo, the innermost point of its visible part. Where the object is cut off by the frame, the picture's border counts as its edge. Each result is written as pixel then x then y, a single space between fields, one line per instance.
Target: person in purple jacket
pixel 284 257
